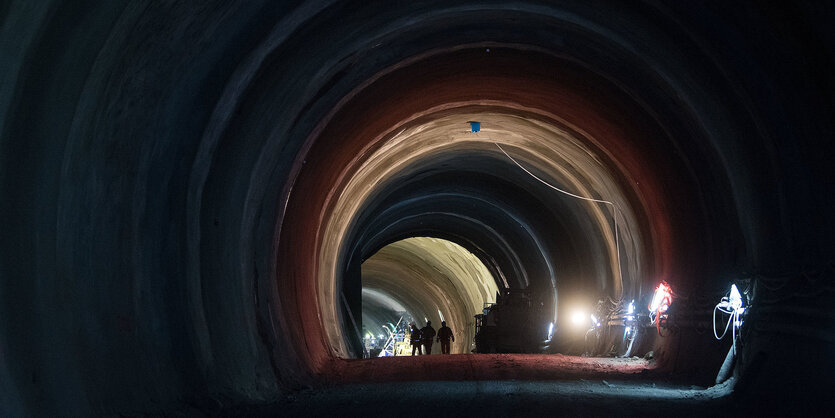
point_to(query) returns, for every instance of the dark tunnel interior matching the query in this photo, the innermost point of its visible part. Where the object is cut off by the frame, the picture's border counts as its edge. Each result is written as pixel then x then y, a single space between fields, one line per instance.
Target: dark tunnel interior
pixel 210 208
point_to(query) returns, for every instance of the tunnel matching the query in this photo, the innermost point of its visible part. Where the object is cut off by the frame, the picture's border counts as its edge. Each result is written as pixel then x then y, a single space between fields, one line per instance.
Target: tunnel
pixel 207 207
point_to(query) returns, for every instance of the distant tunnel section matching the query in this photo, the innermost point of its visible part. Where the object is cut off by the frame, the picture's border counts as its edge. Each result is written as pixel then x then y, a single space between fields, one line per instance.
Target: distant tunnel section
pixel 426 279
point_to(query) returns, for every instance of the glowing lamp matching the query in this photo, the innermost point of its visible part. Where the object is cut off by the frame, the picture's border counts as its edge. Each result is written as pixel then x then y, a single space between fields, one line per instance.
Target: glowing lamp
pixel 578 318
pixel 735 299
pixel 730 305
pixel 662 298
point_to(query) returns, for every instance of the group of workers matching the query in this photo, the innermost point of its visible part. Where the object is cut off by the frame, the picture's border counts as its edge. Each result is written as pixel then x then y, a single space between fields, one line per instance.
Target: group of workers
pixel 422 338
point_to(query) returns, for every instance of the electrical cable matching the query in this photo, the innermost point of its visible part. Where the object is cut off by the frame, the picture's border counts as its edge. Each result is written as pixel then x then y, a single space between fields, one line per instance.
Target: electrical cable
pixel 658 318
pixel 718 307
pixel 725 306
pixel 615 209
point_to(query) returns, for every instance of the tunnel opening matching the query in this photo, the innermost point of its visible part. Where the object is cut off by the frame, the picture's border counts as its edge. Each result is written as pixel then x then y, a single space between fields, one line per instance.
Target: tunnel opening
pixel 423 280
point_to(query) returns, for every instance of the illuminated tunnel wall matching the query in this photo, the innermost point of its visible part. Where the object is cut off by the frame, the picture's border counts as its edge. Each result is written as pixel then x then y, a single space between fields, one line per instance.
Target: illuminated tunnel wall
pixel 189 192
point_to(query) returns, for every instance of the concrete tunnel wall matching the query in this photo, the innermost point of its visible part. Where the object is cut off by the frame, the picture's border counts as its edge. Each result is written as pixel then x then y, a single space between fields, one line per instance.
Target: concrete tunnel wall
pixel 170 175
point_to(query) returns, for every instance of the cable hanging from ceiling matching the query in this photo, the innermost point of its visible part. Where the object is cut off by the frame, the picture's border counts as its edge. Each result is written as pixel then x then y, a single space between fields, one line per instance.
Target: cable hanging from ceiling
pixel 476 127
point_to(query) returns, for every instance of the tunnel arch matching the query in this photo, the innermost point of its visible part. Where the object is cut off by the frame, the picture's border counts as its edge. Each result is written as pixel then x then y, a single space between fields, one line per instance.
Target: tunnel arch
pixel 662 230
pixel 157 161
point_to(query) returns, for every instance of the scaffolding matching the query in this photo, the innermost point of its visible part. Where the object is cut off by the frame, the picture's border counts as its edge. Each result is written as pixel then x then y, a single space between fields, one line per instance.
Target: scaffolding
pixel 396 341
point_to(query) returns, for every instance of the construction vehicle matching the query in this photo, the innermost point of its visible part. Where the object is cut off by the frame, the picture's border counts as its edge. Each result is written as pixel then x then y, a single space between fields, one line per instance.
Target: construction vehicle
pixel 515 323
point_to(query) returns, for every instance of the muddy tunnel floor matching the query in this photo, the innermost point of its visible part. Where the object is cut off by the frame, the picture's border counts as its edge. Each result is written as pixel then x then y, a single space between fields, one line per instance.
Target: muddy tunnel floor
pixel 488 367
pixel 498 385
pixel 501 398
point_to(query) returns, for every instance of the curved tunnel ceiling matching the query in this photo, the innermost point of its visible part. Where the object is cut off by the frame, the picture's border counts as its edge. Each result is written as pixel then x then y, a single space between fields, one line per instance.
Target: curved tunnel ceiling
pixel 191 188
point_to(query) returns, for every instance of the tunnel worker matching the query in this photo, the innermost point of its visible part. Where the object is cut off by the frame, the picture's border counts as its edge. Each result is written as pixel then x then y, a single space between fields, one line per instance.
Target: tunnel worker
pixel 414 338
pixel 427 334
pixel 444 334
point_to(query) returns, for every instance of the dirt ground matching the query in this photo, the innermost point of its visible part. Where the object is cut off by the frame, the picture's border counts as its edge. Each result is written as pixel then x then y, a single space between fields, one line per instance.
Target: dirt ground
pixel 468 367
pixel 497 385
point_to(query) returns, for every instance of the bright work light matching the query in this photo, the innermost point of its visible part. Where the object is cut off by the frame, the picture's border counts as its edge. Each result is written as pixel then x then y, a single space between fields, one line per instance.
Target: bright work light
pixel 735 298
pixel 578 318
pixel 730 305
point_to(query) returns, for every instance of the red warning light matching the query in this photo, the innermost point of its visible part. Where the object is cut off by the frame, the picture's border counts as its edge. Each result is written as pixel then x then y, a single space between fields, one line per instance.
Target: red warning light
pixel 661 301
pixel 662 298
